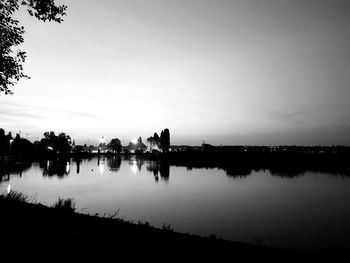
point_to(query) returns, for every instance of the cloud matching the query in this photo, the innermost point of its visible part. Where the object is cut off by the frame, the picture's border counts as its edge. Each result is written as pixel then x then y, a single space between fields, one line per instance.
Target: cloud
pixel 14 111
pixel 293 117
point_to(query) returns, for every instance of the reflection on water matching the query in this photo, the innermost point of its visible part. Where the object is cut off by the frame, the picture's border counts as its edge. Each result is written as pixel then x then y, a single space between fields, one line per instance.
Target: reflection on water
pixel 58 167
pixel 161 169
pixel 134 167
pixel 135 164
pixel 67 168
pixel 101 164
pixel 114 163
pixel 78 162
pixel 310 210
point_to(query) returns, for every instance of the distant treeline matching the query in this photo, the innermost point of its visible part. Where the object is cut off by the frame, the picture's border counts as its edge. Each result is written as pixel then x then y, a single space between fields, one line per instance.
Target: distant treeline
pixel 235 160
pixel 282 160
pixel 53 144
pixel 238 165
pixel 23 148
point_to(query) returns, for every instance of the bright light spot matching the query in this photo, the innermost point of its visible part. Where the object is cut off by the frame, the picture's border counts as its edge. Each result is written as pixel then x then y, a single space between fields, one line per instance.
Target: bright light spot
pixel 49 147
pixel 134 167
pixel 8 188
pixel 101 167
pixel 67 167
pixel 134 141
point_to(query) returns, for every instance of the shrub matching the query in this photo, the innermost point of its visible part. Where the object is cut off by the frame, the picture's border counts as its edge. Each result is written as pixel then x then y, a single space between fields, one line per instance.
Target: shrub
pixel 65 204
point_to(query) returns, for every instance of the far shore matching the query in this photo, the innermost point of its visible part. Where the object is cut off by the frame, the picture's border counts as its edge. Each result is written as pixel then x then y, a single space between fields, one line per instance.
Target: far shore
pixel 235 160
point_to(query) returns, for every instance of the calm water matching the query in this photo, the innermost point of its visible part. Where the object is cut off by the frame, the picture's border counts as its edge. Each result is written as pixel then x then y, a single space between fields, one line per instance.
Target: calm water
pixel 308 211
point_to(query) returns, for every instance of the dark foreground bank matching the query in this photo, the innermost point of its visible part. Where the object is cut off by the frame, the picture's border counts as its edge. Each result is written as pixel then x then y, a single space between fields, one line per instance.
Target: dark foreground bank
pixel 36 232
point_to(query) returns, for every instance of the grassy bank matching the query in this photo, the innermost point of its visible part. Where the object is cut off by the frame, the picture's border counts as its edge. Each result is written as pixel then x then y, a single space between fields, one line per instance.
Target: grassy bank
pixel 34 231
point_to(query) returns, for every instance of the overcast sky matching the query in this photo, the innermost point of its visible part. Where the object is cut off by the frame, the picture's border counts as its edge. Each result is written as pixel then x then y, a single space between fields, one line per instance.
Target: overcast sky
pixel 228 72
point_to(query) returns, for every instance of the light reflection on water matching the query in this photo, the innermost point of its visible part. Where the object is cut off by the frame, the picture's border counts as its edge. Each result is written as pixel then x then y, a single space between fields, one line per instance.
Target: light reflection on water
pixel 134 167
pixel 312 210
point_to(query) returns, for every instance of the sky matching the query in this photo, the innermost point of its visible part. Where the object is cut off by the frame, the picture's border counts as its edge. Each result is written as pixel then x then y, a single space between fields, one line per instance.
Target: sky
pixel 244 72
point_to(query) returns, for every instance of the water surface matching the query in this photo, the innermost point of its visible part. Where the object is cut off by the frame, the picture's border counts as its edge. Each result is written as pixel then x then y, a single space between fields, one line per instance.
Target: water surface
pixel 311 210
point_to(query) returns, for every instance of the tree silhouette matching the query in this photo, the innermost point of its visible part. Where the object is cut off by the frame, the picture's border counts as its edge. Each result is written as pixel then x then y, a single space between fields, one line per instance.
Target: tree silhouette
pixel 11 36
pixel 64 143
pixel 21 146
pixel 165 140
pixel 156 139
pixel 153 141
pixel 115 145
pixel 4 143
pixel 61 143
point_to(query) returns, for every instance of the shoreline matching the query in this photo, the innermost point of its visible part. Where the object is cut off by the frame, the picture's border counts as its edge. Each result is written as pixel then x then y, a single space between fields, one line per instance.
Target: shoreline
pixel 236 161
pixel 80 235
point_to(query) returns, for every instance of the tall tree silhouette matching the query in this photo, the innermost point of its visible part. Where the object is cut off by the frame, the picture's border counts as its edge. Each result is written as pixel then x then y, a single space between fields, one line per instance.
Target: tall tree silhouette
pixel 4 143
pixel 11 36
pixel 165 140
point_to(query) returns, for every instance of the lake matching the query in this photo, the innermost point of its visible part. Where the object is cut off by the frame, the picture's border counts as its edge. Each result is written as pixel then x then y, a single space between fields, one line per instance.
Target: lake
pixel 309 210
